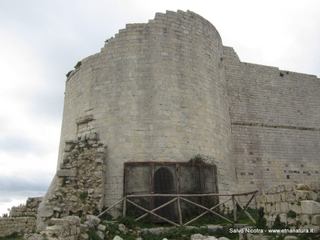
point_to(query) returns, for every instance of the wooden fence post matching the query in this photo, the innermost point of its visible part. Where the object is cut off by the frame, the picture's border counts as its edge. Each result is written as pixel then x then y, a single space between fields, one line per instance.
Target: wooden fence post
pixel 124 210
pixel 179 211
pixel 234 205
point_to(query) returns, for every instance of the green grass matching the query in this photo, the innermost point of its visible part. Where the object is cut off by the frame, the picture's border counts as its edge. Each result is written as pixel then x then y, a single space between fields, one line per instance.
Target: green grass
pixel 182 233
pixel 14 236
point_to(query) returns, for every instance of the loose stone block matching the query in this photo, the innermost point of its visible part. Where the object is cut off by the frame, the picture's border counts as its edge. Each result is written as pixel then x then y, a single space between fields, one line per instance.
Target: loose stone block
pixel 305 219
pixel 310 207
pixel 315 220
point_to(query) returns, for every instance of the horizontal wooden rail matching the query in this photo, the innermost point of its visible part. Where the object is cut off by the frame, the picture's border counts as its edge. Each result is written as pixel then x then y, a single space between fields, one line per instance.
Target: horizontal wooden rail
pixel 188 195
pixel 179 198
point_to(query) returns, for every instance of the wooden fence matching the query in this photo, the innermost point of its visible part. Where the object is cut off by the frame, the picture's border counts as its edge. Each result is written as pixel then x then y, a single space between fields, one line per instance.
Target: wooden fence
pixel 179 198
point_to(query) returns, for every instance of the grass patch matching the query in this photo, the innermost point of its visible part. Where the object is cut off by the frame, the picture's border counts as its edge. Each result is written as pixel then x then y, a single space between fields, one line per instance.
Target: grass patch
pixel 14 236
pixel 83 196
pixel 183 233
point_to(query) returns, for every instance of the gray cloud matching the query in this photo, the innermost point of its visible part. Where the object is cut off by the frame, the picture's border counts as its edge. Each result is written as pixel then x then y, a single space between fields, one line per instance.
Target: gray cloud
pixel 19 144
pixel 10 184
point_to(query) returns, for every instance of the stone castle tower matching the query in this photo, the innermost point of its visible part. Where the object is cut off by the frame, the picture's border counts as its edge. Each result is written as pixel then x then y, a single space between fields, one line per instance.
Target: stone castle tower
pixel 161 93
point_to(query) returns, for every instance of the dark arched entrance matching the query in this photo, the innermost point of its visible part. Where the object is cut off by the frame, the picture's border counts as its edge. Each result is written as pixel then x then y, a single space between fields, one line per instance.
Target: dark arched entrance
pixel 163 182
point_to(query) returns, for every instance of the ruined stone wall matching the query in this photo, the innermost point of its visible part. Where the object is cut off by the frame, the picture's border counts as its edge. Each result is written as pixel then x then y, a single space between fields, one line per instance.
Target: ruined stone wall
pixel 11 225
pixel 22 219
pixel 79 183
pixel 156 92
pixel 26 210
pixel 275 124
pixel 296 205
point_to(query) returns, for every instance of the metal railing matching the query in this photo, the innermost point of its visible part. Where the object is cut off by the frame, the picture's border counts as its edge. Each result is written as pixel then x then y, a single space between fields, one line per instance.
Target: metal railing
pixel 179 198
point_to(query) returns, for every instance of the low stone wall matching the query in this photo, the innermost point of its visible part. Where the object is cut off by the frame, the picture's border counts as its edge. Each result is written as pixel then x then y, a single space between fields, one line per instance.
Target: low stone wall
pixel 26 210
pixel 22 219
pixel 297 206
pixel 10 225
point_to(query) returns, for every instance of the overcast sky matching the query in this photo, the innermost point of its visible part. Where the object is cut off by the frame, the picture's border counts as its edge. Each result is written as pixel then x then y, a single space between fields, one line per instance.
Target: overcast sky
pixel 40 41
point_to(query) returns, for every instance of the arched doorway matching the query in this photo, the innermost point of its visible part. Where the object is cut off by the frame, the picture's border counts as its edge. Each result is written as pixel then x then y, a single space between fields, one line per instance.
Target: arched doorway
pixel 163 182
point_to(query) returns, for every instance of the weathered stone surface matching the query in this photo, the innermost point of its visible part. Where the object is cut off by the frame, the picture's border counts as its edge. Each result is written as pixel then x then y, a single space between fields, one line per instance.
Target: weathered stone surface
pixel 92 221
pixel 157 230
pixel 66 173
pixel 80 188
pixel 84 236
pixel 257 237
pixel 122 228
pixel 117 238
pixel 283 217
pixel 102 227
pixel 46 211
pixel 9 225
pixel 293 208
pixel 197 236
pixel 223 238
pixel 315 220
pixel 100 235
pixel 291 221
pixel 33 236
pixel 310 207
pixel 301 186
pixel 290 238
pixel 214 228
pixel 305 219
pixel 63 228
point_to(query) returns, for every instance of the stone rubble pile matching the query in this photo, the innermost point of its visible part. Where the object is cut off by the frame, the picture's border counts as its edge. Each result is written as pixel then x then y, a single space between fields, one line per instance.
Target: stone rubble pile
pixel 80 180
pixel 67 228
pixel 199 236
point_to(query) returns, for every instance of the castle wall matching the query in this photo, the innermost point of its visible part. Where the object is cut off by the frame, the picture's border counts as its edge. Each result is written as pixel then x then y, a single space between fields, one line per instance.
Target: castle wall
pixel 20 225
pixel 22 219
pixel 275 118
pixel 168 90
pixel 156 92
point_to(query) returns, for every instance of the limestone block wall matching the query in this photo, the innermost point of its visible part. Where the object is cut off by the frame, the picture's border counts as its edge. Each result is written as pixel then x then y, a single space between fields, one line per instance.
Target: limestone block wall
pixel 275 124
pixel 26 210
pixel 11 225
pixel 156 92
pixel 296 205
pixel 22 219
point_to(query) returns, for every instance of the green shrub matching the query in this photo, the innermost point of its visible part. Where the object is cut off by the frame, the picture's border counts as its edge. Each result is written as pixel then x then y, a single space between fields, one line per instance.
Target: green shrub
pixel 291 214
pixel 261 221
pixel 278 224
pixel 83 196
pixel 14 236
pixel 93 235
